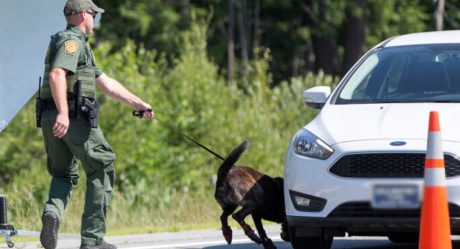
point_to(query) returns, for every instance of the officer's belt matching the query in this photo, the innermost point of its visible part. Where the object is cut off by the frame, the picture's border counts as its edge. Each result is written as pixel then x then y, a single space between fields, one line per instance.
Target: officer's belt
pixel 48 104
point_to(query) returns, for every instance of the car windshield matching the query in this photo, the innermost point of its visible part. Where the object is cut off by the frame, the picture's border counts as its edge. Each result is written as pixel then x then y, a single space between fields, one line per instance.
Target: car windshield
pixel 405 74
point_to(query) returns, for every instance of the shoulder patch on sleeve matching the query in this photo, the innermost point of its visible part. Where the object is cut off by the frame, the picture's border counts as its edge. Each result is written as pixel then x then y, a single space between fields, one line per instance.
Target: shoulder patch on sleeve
pixel 70 47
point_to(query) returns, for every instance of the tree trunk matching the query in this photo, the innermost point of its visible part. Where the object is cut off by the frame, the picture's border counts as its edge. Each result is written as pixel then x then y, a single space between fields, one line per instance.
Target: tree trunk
pixel 255 46
pixel 243 39
pixel 355 33
pixel 324 46
pixel 230 43
pixel 184 8
pixel 439 15
pixel 325 50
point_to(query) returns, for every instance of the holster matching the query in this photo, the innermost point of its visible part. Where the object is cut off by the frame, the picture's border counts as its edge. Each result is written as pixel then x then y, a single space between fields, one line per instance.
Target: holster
pixel 89 110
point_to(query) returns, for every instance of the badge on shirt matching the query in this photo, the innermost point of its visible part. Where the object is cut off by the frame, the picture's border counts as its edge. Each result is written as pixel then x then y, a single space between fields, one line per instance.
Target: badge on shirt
pixel 70 47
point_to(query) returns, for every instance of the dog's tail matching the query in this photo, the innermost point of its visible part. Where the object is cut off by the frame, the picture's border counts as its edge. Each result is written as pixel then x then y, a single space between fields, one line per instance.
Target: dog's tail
pixel 230 160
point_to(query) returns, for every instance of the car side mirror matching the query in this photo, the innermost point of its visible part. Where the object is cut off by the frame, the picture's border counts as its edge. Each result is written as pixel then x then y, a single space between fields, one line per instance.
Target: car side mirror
pixel 316 97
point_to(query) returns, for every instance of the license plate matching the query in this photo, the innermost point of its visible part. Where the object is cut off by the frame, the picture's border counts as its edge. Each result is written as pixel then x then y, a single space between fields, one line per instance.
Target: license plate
pixel 395 196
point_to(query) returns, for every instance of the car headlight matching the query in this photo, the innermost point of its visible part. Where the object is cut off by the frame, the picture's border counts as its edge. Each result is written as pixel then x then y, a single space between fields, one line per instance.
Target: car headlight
pixel 307 144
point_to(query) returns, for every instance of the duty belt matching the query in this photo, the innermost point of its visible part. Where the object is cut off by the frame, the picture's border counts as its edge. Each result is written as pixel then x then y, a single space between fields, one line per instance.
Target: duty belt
pixel 86 108
pixel 48 104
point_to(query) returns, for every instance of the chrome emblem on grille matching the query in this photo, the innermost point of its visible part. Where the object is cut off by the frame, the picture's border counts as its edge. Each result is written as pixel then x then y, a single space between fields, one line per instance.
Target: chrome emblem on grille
pixel 397 143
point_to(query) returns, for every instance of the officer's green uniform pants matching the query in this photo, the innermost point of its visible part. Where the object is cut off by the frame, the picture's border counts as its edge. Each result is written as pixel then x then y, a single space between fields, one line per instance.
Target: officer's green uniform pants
pixel 90 147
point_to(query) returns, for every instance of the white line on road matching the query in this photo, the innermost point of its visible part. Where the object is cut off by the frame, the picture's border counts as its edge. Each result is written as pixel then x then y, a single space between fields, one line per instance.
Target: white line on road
pixel 204 243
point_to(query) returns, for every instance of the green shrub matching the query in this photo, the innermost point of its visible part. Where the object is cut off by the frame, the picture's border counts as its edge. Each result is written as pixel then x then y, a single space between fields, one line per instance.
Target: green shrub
pixel 159 172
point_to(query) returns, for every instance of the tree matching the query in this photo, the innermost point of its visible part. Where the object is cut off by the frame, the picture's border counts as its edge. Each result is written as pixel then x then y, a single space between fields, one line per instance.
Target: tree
pixel 231 42
pixel 255 45
pixel 302 36
pixel 439 14
pixel 243 40
pixel 355 33
pixel 323 19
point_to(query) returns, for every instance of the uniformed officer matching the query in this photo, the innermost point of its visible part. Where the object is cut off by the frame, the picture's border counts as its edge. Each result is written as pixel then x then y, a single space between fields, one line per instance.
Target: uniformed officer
pixel 69 125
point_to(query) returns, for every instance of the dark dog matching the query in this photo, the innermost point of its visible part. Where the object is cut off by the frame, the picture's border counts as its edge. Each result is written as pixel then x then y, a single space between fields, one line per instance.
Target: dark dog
pixel 258 195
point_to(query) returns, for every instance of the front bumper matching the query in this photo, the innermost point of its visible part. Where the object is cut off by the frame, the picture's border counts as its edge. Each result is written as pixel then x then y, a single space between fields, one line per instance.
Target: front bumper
pixel 312 226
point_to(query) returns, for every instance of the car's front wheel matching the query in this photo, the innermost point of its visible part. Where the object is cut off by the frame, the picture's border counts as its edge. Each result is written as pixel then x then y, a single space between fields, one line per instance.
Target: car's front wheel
pixel 316 242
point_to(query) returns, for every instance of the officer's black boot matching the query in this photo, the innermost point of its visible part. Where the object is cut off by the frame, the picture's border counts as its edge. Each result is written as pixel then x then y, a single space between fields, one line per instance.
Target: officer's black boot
pixel 103 245
pixel 49 233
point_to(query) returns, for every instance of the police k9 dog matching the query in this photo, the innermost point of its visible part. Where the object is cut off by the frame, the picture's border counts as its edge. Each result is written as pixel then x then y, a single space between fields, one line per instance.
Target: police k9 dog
pixel 258 195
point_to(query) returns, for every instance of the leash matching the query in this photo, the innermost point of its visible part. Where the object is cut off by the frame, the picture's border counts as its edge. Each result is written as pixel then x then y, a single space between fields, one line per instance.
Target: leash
pixel 140 114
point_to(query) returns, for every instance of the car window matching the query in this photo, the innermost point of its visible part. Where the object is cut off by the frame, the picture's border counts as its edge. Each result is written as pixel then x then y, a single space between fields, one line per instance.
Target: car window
pixel 422 73
pixel 394 76
pixel 358 82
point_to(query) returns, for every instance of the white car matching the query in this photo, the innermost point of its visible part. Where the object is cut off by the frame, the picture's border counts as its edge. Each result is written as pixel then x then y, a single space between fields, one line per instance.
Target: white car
pixel 357 168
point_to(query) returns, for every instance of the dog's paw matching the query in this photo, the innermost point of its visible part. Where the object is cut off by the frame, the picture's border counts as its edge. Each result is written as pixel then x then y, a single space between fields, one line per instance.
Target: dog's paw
pixel 253 236
pixel 285 236
pixel 251 233
pixel 285 232
pixel 228 234
pixel 268 244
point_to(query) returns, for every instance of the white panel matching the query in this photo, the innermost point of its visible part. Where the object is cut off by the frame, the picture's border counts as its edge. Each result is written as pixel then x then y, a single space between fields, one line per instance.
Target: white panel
pixel 26 29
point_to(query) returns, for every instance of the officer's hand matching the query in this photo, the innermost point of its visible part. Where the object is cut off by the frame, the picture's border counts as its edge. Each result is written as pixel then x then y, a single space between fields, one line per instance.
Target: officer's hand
pixel 61 125
pixel 148 114
pixel 147 111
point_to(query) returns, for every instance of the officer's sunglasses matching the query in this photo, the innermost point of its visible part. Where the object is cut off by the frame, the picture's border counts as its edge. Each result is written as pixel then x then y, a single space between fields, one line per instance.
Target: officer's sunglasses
pixel 93 14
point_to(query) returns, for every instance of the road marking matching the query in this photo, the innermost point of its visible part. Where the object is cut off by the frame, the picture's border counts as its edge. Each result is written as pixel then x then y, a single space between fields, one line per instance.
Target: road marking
pixel 204 243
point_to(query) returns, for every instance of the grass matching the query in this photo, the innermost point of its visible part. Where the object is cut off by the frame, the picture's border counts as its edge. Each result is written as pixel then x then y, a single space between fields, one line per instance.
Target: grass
pixel 127 214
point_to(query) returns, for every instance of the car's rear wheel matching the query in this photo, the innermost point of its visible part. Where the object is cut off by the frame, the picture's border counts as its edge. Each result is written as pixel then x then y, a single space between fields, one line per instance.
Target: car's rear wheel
pixel 406 238
pixel 316 242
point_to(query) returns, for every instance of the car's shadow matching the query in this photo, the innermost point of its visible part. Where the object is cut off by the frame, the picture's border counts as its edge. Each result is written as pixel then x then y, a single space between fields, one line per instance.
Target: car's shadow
pixel 371 244
pixel 338 244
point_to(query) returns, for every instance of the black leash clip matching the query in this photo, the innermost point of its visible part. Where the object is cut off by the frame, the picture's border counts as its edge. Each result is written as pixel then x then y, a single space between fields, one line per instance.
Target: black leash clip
pixel 140 114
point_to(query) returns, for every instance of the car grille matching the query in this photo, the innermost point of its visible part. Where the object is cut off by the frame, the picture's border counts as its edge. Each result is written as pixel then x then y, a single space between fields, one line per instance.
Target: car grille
pixel 386 165
pixel 364 210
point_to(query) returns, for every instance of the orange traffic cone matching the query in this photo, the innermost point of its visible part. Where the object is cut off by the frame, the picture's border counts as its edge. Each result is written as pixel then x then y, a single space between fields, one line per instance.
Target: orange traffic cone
pixel 434 223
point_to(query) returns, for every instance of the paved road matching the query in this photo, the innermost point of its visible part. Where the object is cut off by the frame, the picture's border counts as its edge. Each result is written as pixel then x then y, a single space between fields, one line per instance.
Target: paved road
pixel 212 239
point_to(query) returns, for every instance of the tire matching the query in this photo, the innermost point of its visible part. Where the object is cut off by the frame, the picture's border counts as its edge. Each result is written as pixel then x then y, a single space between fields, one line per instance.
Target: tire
pixel 317 242
pixel 404 238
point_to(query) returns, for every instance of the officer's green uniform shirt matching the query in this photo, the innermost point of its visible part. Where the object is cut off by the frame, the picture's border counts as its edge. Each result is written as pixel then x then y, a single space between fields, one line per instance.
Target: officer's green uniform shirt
pixel 69 50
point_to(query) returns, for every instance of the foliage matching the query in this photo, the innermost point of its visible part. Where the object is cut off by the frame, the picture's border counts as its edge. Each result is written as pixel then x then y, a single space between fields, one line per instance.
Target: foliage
pixel 395 17
pixel 152 24
pixel 452 14
pixel 158 170
pixel 284 27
